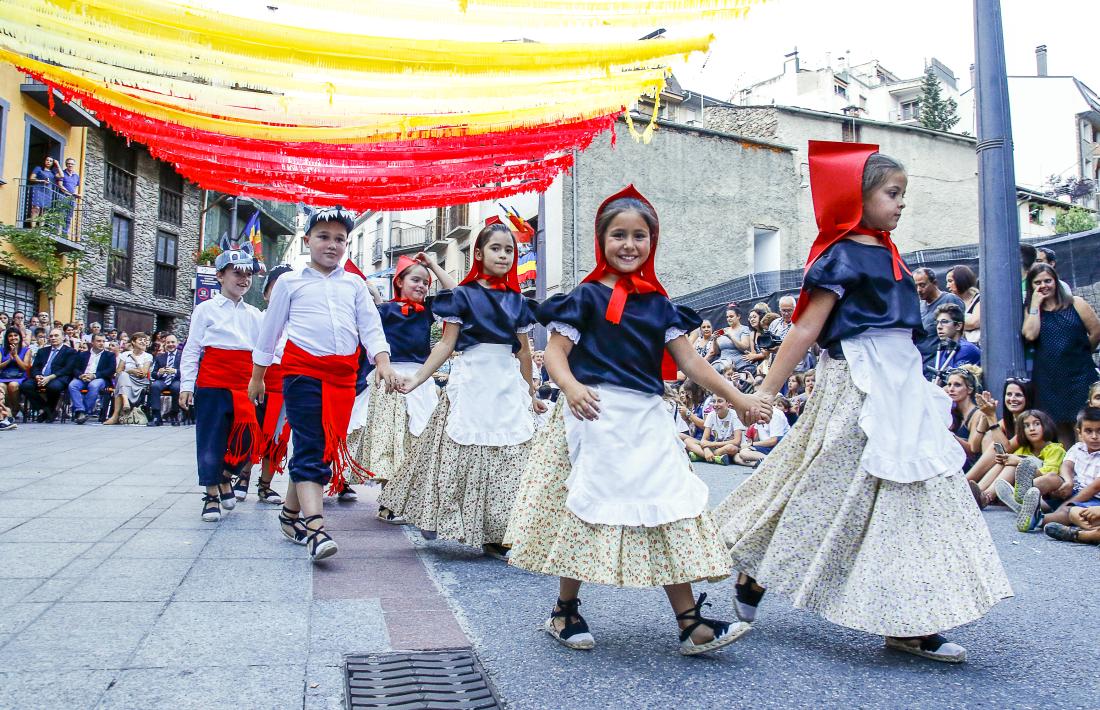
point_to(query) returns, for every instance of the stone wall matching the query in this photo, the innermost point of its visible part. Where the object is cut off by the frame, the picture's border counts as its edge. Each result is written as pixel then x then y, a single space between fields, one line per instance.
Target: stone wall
pixel 710 191
pixel 92 287
pixel 942 197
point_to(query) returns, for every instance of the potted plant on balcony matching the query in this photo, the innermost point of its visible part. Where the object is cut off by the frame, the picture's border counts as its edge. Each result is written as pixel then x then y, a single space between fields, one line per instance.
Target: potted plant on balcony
pixel 206 256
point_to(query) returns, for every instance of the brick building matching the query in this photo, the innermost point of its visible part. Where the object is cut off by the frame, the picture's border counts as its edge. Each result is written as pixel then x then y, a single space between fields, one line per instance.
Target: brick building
pixel 144 283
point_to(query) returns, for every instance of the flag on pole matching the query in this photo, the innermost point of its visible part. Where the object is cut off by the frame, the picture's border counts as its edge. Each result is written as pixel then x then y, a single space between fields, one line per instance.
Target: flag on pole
pixel 351 268
pixel 526 267
pixel 254 236
pixel 524 232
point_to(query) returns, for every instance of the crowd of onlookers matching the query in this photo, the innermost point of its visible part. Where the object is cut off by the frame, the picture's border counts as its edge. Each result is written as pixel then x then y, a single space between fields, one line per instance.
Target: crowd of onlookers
pixel 50 370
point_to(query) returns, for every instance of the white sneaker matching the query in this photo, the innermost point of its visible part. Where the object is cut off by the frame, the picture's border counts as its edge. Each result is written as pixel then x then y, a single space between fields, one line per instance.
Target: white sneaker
pixel 1006 494
pixel 8 424
pixel 348 495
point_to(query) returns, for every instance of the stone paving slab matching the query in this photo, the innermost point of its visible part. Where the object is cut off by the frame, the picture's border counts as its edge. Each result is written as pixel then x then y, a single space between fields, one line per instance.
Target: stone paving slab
pixel 115 594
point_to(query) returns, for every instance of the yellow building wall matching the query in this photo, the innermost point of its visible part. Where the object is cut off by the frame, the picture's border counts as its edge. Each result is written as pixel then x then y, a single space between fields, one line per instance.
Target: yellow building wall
pixel 16 111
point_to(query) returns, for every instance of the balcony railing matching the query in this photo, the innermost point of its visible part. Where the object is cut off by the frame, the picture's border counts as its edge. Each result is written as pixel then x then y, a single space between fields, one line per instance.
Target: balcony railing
pixel 119 186
pixel 46 207
pixel 454 217
pixel 164 281
pixel 376 251
pixel 405 237
pixel 170 207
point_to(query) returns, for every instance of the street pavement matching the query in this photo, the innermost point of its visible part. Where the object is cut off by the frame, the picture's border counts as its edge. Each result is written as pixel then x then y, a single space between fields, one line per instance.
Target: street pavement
pixel 114 594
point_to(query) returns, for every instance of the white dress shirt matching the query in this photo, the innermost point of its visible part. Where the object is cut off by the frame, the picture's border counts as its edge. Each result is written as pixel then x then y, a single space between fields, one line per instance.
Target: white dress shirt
pixel 323 315
pixel 217 323
pixel 93 362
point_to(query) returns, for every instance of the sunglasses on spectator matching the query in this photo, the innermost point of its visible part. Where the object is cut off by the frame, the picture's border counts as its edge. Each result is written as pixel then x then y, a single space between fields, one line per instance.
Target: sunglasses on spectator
pixel 1017 381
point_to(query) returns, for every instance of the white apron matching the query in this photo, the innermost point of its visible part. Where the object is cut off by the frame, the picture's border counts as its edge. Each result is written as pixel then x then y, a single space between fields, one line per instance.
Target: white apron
pixel 904 416
pixel 360 408
pixel 628 466
pixel 420 403
pixel 490 402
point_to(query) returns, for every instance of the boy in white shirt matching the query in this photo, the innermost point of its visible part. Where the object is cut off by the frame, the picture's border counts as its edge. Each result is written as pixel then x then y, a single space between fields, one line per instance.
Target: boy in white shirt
pixel 326 312
pixel 1078 519
pixel 214 370
pixel 762 438
pixel 721 436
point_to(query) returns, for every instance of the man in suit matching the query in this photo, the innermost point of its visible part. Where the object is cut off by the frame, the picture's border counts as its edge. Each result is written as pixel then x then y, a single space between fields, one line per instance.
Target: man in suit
pixel 165 377
pixel 51 371
pixel 94 369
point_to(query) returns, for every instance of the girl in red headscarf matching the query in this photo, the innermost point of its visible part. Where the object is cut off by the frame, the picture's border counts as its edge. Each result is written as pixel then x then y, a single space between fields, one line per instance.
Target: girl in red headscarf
pixel 460 478
pixel 609 496
pixel 862 513
pixel 396 420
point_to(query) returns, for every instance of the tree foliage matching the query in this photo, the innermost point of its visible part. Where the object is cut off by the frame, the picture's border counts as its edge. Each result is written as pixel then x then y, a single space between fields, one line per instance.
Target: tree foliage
pixel 1077 219
pixel 34 252
pixel 936 112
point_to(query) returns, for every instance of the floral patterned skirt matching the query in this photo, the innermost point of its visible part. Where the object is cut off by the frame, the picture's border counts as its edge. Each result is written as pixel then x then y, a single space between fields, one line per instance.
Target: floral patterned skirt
pixel 462 493
pixel 547 538
pixel 895 559
pixel 381 443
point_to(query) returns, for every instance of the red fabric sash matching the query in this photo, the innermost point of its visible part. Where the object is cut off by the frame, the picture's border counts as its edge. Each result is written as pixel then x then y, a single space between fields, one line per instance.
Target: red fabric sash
pixel 895 255
pixel 625 286
pixel 275 441
pixel 337 375
pixel 407 305
pixel 231 370
pixel 496 283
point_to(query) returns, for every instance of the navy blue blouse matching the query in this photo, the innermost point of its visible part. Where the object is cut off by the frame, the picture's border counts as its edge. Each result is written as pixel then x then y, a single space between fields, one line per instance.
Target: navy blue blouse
pixel 628 354
pixel 409 336
pixel 488 315
pixel 872 298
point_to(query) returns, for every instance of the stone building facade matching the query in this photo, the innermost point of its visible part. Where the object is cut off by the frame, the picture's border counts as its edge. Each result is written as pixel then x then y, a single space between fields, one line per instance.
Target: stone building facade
pixel 144 282
pixel 727 204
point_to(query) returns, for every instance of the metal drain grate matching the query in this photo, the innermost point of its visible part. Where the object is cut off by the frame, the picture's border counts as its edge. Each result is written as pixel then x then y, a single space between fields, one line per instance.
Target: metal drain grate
pixel 419 680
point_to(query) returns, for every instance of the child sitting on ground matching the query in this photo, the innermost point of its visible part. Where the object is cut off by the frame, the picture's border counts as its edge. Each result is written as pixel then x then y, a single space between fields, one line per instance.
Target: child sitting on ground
pixel 760 439
pixel 1037 462
pixel 721 436
pixel 1078 520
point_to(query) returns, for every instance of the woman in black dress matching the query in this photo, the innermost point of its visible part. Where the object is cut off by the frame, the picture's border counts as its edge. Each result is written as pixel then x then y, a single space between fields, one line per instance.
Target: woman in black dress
pixel 1065 331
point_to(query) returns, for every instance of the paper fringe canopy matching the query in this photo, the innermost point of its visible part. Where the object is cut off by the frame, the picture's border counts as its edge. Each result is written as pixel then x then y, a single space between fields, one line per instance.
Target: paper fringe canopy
pixel 296 114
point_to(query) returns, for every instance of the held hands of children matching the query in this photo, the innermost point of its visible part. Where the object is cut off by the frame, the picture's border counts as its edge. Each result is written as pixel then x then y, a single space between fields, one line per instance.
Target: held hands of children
pixel 537 404
pixel 753 408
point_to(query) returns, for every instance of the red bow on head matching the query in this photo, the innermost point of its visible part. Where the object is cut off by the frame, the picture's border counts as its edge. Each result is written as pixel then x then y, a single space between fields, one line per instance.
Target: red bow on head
pixel 508 282
pixel 644 280
pixel 836 184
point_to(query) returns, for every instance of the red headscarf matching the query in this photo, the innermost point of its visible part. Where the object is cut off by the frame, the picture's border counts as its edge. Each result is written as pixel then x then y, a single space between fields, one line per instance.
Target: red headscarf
pixel 509 281
pixel 644 280
pixel 836 184
pixel 403 264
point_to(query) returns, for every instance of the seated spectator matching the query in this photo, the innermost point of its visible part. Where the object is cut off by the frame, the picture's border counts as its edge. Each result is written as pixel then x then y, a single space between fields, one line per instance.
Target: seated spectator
pixel 7 417
pixel 756 354
pixel 51 371
pixel 691 411
pixel 166 373
pixel 1078 519
pixel 953 350
pixel 19 322
pixel 1094 395
pixel 795 385
pixel 1017 397
pixel 1065 330
pixel 39 341
pixel 93 330
pixel 781 326
pixel 5 320
pixel 31 325
pixel 1039 454
pixel 962 384
pixel 15 365
pixel 700 339
pixel 731 343
pixel 798 403
pixel 962 282
pixel 131 381
pixel 123 343
pixel 112 334
pixel 931 299
pixel 71 338
pixel 94 370
pixel 760 439
pixel 721 438
pixel 784 405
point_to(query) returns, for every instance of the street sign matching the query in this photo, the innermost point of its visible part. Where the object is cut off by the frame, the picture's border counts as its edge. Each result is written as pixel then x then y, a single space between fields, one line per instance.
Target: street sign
pixel 206 283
